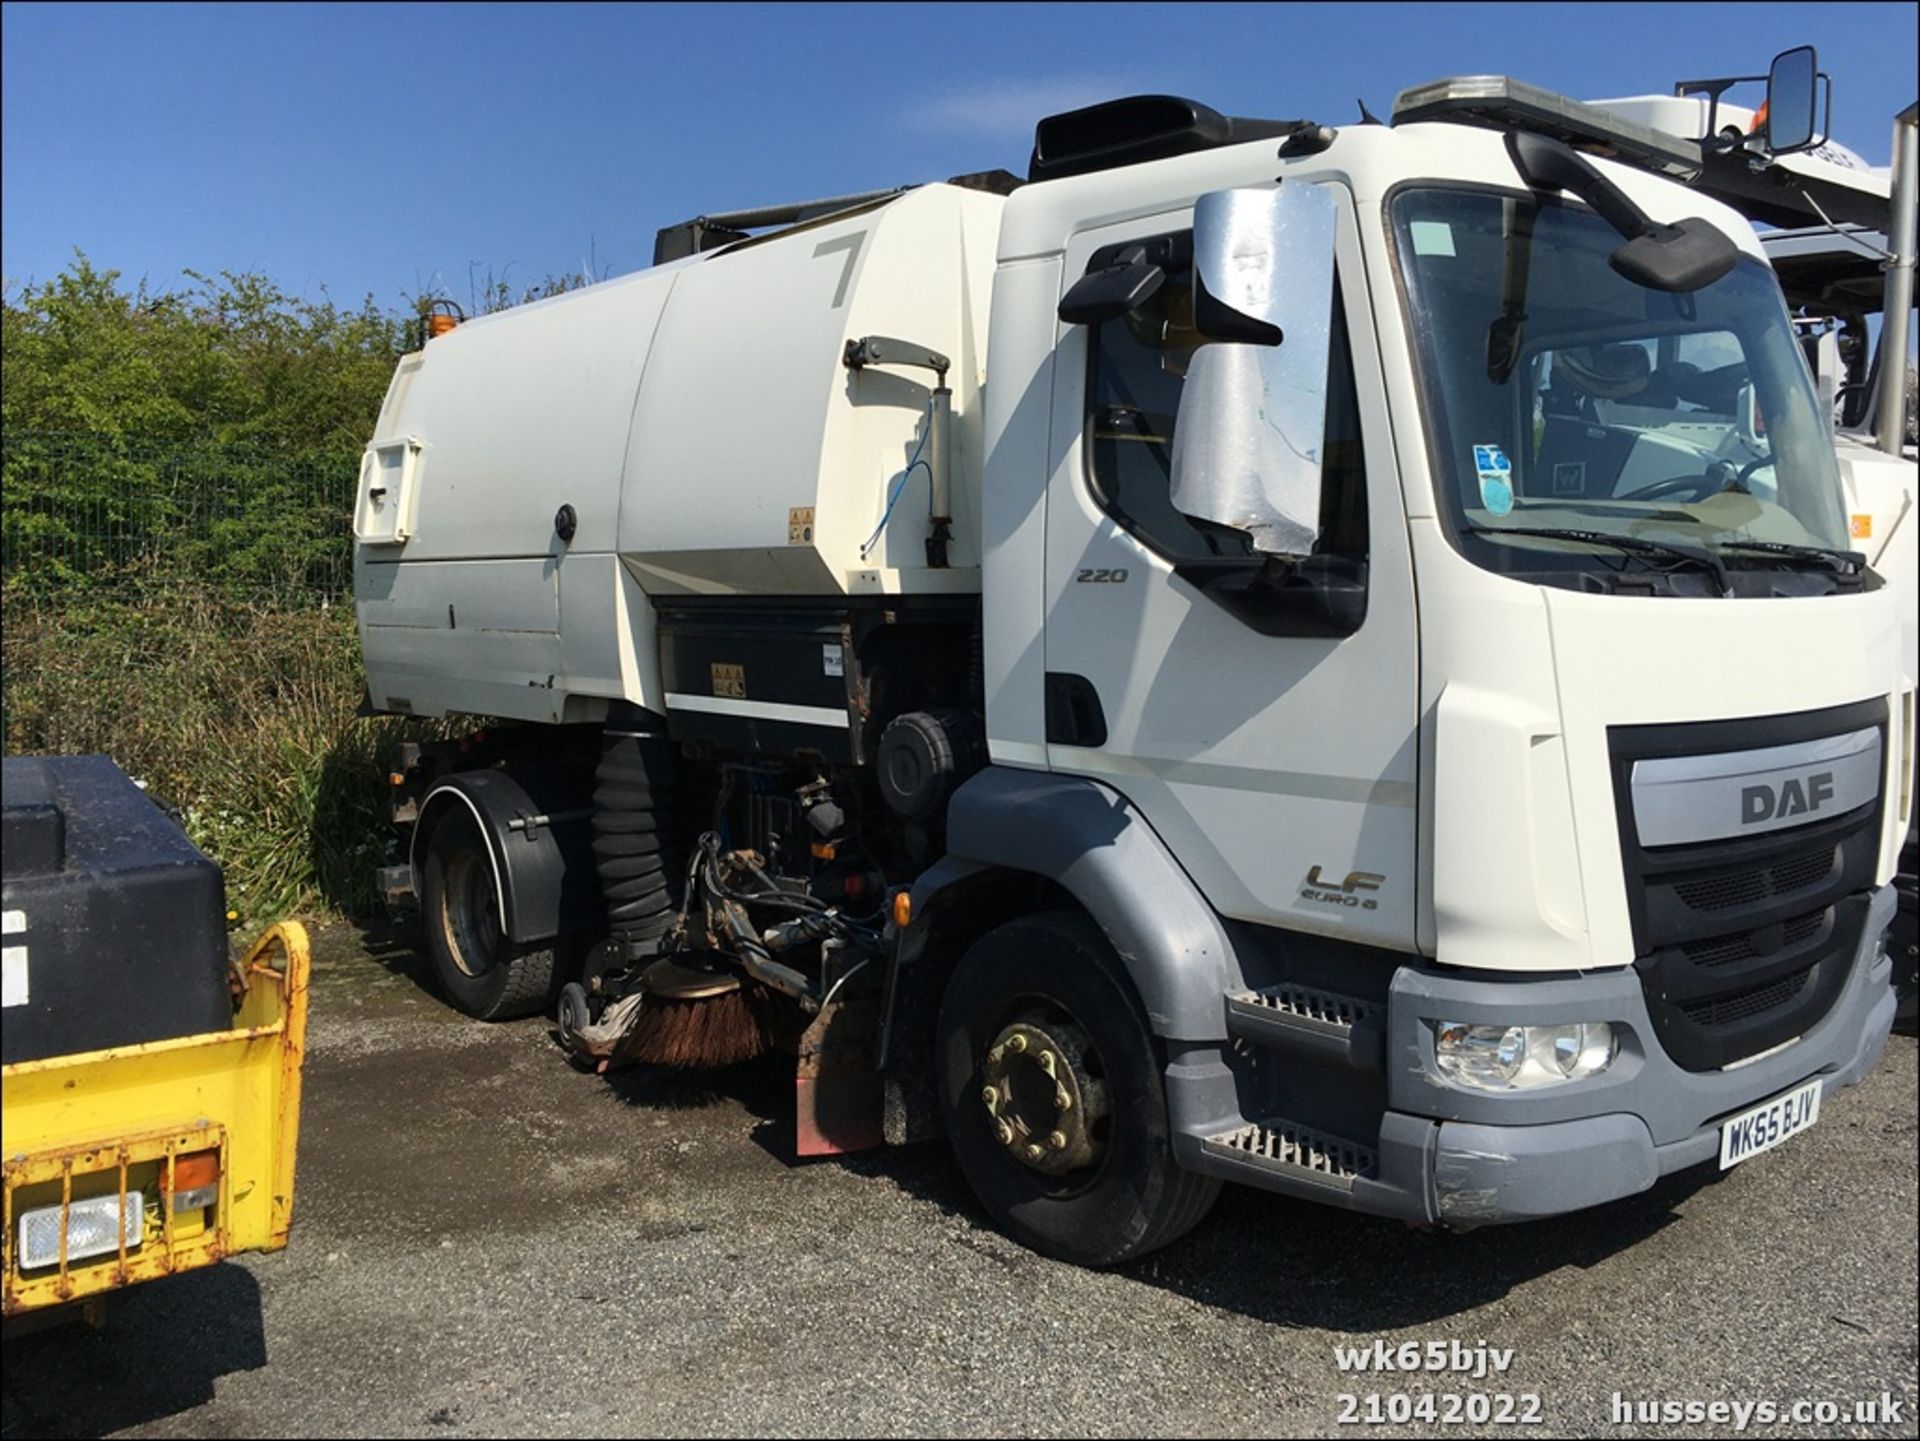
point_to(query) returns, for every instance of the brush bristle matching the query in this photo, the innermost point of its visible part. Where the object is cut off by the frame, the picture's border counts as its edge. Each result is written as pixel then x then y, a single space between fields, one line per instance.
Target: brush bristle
pixel 709 1032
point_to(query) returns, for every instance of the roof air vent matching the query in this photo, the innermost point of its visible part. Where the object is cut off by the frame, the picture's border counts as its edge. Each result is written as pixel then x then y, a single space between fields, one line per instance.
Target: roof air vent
pixel 1138 128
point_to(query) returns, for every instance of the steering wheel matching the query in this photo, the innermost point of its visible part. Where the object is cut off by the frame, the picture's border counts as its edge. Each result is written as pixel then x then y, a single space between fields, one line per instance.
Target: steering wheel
pixel 1716 481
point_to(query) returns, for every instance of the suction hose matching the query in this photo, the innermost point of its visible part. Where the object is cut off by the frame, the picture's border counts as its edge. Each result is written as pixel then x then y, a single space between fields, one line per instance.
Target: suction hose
pixel 633 849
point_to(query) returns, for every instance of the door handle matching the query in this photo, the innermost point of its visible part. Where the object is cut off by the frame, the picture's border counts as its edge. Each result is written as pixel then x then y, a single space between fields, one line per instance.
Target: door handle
pixel 1074 714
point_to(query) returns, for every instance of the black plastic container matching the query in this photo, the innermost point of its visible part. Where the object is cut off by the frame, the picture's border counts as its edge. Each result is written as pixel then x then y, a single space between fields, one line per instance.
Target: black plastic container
pixel 115 922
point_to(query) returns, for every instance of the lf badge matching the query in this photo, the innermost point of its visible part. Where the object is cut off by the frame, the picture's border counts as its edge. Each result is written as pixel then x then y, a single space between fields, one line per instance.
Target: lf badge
pixel 1348 892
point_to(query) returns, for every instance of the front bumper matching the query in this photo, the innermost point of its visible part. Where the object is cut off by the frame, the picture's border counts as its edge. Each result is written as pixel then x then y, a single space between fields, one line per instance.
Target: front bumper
pixel 1469 1158
pixel 1505 1158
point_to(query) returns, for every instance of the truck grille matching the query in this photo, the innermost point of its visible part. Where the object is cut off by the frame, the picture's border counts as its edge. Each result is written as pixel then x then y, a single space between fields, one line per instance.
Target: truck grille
pixel 1751 887
pixel 1744 1005
pixel 1726 950
pixel 1745 942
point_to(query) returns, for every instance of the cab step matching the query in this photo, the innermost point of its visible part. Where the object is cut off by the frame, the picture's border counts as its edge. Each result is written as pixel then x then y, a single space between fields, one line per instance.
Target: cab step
pixel 1296 1151
pixel 1312 1022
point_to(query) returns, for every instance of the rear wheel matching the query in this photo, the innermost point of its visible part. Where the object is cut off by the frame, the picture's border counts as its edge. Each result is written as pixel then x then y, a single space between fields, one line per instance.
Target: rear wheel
pixel 1053 1098
pixel 482 972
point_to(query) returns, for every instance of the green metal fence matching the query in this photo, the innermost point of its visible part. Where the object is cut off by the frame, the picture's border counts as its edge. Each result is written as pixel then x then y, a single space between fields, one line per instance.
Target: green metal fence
pixel 89 513
pixel 116 553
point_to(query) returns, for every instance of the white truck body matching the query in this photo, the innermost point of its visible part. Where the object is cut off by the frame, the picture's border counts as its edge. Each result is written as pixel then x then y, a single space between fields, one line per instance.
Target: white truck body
pixel 1449 791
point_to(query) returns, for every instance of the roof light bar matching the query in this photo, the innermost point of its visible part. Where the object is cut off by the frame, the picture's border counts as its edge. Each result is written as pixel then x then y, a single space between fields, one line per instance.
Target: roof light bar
pixel 1502 103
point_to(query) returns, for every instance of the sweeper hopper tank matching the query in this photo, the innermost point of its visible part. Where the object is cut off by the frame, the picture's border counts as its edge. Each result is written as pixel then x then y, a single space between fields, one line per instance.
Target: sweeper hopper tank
pixel 689 430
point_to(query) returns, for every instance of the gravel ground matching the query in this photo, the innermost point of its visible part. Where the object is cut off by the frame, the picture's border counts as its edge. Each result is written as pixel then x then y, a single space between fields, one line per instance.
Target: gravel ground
pixel 488 1243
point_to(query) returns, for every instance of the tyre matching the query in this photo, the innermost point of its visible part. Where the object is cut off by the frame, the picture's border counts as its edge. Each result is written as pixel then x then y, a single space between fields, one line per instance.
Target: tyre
pixel 573 1013
pixel 1053 1097
pixel 482 972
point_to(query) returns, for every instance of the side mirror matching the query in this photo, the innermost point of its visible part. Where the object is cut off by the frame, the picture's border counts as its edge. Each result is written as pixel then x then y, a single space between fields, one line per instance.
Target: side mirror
pixel 1253 412
pixel 1792 101
pixel 1114 290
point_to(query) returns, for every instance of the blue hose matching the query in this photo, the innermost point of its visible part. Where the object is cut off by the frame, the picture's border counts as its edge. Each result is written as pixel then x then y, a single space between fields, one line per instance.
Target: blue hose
pixel 906 475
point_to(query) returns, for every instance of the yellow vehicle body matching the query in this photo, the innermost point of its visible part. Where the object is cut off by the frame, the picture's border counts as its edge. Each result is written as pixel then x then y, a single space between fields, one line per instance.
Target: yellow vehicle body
pixel 210 1122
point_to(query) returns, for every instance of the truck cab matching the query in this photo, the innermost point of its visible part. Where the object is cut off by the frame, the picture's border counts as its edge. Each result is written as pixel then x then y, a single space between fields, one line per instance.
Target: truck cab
pixel 1526 795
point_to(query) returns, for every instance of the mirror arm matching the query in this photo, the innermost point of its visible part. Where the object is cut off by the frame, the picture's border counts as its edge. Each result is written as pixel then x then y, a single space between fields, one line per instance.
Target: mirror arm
pixel 1713 90
pixel 1216 320
pixel 1674 258
pixel 1549 164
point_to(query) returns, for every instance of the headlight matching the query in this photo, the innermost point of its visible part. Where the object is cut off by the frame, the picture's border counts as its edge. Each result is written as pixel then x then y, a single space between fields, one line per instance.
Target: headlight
pixel 1522 1058
pixel 93 1228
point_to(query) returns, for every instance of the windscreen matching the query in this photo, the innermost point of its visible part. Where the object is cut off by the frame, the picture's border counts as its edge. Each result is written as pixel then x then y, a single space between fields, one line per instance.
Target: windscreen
pixel 1562 397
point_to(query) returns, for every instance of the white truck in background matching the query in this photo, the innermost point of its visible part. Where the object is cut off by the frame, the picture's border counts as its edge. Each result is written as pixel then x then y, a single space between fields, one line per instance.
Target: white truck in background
pixel 1840 237
pixel 1330 659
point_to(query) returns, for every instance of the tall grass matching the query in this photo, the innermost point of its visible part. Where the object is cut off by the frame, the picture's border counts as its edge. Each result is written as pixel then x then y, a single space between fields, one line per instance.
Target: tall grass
pixel 241 716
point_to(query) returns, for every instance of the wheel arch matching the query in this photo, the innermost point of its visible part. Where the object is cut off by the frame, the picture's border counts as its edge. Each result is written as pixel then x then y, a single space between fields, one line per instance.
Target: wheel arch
pixel 445 799
pixel 1087 846
pixel 543 878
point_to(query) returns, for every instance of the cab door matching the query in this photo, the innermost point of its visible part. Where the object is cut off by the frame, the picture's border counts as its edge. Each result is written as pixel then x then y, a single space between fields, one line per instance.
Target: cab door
pixel 1279 767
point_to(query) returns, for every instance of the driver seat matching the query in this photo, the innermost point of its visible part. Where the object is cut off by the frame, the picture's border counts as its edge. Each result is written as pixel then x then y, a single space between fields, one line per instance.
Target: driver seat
pixel 1577 460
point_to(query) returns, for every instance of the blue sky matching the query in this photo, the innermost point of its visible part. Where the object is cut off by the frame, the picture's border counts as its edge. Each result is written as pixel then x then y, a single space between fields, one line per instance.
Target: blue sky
pixel 376 149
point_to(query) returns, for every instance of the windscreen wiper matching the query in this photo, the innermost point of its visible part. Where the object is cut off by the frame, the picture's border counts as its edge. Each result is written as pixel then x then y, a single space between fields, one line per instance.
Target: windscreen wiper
pixel 1631 544
pixel 1843 561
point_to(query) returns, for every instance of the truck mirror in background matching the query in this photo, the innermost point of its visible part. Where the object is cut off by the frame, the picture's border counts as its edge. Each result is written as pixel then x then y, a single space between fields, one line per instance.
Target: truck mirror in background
pixel 1792 86
pixel 1109 293
pixel 1253 412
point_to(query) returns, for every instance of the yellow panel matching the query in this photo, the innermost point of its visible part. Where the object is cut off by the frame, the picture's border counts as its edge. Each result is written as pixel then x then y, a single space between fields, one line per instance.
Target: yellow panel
pixel 76 1126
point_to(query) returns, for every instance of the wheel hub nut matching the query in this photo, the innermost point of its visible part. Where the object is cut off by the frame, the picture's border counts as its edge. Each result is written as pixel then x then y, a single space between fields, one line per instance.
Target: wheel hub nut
pixel 1043 1098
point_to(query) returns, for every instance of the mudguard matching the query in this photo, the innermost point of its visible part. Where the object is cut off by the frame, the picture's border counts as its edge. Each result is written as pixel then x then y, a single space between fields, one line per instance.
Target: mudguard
pixel 538 839
pixel 1090 840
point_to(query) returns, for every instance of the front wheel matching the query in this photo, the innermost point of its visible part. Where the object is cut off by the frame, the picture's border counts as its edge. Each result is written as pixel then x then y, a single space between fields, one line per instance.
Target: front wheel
pixel 482 972
pixel 1051 1087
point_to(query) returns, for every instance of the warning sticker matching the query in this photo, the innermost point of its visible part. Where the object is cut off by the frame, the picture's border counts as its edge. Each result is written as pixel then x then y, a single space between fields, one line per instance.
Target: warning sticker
pixel 13 962
pixel 13 975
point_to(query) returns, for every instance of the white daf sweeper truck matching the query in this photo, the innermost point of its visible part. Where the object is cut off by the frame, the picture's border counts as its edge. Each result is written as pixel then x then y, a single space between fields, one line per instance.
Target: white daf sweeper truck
pixel 1329 659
